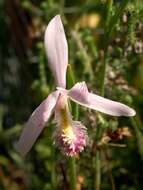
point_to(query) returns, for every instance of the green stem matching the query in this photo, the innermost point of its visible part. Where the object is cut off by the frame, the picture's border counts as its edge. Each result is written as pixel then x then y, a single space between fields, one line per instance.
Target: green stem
pixel 103 72
pixel 106 40
pixel 97 162
pixel 104 66
pixel 109 27
pixel 109 13
pixel 74 108
pixel 98 170
pixel 72 172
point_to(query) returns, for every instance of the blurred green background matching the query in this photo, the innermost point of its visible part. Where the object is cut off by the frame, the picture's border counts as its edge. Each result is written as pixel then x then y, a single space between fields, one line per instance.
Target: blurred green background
pixel 93 28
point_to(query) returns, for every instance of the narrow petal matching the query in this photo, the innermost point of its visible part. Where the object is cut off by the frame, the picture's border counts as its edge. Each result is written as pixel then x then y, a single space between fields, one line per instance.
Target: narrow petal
pixel 57 50
pixel 79 93
pixel 35 124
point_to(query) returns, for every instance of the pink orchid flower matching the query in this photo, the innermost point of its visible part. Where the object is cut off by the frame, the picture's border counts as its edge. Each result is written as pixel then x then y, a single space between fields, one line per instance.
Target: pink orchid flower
pixel 69 135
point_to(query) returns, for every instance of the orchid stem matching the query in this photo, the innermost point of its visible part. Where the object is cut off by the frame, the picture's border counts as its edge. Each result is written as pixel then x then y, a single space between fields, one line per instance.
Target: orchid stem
pixel 98 171
pixel 74 108
pixel 103 73
pixel 98 159
pixel 72 172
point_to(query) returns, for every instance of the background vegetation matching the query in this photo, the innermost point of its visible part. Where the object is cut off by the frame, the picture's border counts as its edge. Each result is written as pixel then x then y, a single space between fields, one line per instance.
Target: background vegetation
pixel 99 33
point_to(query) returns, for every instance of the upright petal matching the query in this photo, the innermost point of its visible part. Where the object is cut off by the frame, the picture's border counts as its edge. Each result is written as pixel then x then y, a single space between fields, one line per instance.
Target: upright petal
pixel 57 50
pixel 35 124
pixel 79 93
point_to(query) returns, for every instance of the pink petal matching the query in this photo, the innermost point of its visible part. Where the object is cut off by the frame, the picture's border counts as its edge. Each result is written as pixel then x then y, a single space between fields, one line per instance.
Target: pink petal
pixel 35 124
pixel 79 93
pixel 57 50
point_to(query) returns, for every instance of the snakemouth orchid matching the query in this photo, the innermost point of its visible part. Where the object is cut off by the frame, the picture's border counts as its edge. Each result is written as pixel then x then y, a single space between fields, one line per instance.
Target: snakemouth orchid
pixel 70 136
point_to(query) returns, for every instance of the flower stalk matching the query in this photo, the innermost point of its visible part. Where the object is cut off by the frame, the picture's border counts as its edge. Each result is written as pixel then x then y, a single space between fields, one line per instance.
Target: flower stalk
pixel 74 109
pixel 72 172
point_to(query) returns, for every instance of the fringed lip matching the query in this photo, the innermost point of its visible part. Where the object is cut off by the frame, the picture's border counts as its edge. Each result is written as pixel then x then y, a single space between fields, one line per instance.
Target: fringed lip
pixel 71 141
